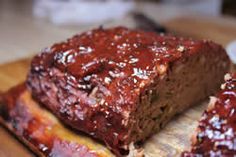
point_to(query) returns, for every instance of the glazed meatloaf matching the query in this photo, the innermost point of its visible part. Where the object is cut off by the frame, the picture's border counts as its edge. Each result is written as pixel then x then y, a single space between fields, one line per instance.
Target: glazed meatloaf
pixel 121 85
pixel 215 135
pixel 41 131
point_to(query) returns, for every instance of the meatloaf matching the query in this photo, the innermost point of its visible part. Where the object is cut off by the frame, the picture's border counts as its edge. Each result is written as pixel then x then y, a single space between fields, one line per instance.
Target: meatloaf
pixel 121 85
pixel 41 131
pixel 215 135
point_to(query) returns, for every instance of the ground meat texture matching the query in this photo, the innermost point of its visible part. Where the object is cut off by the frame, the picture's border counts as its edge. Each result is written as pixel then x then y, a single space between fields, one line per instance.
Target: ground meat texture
pixel 215 135
pixel 121 85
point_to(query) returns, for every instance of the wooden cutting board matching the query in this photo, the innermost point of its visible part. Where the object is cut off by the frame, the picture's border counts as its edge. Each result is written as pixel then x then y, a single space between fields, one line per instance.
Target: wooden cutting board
pixel 175 136
pixel 169 142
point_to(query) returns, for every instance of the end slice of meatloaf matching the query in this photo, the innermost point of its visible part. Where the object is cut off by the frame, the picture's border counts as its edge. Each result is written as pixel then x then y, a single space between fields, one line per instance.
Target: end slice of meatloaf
pixel 216 132
pixel 121 85
pixel 41 131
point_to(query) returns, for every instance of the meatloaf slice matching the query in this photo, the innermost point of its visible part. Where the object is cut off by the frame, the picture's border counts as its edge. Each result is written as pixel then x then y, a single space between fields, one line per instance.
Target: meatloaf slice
pixel 121 85
pixel 216 132
pixel 41 131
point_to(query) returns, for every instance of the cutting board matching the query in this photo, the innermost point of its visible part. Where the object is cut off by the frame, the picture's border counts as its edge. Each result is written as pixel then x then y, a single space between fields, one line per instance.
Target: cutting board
pixel 175 137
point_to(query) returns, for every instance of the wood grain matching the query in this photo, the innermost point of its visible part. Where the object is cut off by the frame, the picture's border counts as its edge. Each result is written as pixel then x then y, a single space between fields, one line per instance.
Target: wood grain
pixel 175 136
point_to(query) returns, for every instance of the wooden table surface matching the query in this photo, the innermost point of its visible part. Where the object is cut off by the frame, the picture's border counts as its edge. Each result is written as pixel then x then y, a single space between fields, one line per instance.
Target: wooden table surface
pixel 175 136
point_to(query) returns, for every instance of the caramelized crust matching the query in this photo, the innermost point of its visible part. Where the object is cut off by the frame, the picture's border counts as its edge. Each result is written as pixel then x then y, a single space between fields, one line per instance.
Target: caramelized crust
pixel 113 83
pixel 216 130
pixel 41 131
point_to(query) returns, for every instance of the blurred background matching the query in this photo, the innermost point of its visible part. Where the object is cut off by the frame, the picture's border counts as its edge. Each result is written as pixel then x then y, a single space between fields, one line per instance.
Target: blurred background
pixel 27 26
